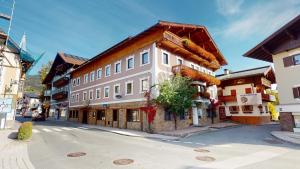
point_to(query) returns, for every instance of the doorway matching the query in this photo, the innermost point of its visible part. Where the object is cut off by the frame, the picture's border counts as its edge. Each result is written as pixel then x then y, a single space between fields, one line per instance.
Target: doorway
pixel 84 116
pixel 115 118
pixel 222 113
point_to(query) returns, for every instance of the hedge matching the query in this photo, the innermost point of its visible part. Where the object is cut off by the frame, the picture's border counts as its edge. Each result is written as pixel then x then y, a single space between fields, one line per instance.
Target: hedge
pixel 25 131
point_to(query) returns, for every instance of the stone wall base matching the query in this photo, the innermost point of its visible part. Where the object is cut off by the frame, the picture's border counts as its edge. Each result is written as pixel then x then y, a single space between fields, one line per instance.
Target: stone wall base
pixel 287 122
pixel 252 120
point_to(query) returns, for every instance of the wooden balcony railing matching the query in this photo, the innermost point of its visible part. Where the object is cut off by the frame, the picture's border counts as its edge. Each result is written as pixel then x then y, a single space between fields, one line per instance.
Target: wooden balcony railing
pixel 195 75
pixel 61 81
pixel 227 98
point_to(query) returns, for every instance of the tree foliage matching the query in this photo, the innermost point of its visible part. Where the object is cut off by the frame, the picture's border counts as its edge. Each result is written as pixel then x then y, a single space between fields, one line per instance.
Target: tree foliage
pixel 45 70
pixel 176 94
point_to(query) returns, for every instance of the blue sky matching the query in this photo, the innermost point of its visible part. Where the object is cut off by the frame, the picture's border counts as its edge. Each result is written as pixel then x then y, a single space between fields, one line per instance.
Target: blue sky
pixel 87 27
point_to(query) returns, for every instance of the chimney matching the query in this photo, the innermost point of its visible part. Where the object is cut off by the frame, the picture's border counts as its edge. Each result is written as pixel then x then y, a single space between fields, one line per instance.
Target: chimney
pixel 226 71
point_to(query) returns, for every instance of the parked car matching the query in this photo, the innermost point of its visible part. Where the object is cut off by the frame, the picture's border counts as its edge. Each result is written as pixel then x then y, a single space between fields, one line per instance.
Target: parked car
pixel 39 117
pixel 27 114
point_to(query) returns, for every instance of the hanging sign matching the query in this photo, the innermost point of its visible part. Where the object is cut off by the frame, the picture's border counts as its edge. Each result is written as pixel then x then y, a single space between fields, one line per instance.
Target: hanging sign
pixel 249 99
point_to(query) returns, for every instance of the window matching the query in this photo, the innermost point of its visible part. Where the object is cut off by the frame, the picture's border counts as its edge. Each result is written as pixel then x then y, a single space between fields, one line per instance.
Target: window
pixel 74 82
pixel 98 93
pixel 71 114
pixel 99 73
pixel 86 78
pixel 106 92
pixel 291 60
pixel 77 97
pixel 145 58
pixel 84 97
pixel 234 109
pixel 73 98
pixel 107 70
pixel 92 76
pixel 168 115
pixel 118 67
pixel 247 108
pixel 78 81
pixel 248 90
pixel 130 63
pixel 117 89
pixel 133 115
pixel 115 115
pixel 91 93
pixel 192 66
pixel 179 61
pixel 165 57
pixel 144 85
pixel 100 114
pixel 296 92
pixel 129 86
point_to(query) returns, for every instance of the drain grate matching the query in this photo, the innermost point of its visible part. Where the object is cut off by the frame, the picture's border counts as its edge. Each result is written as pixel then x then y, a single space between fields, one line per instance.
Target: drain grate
pixel 205 158
pixel 272 141
pixel 201 150
pixel 123 161
pixel 76 154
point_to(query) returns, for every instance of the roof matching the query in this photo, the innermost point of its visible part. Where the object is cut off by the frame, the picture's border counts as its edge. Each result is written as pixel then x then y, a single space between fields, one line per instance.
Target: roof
pixel 286 38
pixel 179 28
pixel 246 73
pixel 62 58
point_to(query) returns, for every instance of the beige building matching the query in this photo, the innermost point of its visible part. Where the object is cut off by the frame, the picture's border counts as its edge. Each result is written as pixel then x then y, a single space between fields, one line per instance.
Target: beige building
pixel 283 49
pixel 13 65
pixel 110 88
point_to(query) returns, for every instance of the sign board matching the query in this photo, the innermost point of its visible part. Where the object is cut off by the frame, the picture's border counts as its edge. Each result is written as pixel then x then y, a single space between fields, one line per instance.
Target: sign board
pixel 5 105
pixel 266 82
pixel 249 99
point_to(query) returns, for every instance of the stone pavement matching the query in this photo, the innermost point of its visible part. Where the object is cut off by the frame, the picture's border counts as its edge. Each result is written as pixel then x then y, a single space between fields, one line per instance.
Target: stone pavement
pixel 287 136
pixel 13 153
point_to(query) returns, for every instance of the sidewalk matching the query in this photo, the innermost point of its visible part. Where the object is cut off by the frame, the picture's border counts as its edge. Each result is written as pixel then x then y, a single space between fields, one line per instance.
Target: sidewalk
pixel 287 136
pixel 13 153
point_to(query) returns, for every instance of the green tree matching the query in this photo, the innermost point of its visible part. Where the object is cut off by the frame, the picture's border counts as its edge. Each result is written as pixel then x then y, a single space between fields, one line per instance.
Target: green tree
pixel 176 95
pixel 43 73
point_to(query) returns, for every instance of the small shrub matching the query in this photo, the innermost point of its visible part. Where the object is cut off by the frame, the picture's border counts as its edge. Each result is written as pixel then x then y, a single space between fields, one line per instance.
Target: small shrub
pixel 25 131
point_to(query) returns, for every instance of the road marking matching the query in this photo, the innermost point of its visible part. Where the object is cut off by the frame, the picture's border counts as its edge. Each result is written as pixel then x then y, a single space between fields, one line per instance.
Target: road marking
pixel 57 129
pixel 35 131
pixel 46 130
pixel 201 144
pixel 253 158
pixel 175 141
pixel 188 142
pixel 84 128
pixel 66 128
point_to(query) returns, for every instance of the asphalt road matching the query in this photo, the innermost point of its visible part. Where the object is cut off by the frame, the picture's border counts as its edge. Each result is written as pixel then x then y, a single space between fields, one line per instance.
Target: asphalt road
pixel 247 147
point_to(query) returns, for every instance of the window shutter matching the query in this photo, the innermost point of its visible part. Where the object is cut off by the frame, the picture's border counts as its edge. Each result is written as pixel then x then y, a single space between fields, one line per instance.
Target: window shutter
pixel 296 92
pixel 248 90
pixel 288 61
pixel 233 92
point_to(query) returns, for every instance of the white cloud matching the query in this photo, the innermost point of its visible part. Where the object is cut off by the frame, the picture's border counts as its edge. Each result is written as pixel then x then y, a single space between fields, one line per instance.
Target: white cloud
pixel 229 7
pixel 261 19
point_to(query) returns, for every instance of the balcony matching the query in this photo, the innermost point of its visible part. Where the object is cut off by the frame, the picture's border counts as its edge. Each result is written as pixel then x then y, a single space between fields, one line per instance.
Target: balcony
pixel 268 97
pixel 60 94
pixel 47 93
pixel 195 75
pixel 61 81
pixel 227 98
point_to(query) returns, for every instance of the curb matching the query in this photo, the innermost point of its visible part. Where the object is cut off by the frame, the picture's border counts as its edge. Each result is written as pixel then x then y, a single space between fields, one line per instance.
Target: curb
pixel 284 140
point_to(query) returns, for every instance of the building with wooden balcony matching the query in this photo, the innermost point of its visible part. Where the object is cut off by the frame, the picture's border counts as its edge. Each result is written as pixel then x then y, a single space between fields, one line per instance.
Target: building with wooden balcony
pixel 115 81
pixel 283 49
pixel 56 95
pixel 243 95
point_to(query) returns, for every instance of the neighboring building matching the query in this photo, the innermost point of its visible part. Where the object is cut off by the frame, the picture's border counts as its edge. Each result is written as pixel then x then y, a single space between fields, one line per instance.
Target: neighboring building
pixel 109 89
pixel 283 49
pixel 14 63
pixel 56 95
pixel 29 102
pixel 242 95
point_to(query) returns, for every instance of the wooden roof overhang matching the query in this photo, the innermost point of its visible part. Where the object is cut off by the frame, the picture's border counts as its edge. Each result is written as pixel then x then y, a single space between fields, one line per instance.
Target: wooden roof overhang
pixel 286 38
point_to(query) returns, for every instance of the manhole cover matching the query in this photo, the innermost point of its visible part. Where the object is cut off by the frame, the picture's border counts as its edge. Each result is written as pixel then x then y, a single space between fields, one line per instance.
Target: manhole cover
pixel 205 158
pixel 76 154
pixel 272 141
pixel 123 161
pixel 201 150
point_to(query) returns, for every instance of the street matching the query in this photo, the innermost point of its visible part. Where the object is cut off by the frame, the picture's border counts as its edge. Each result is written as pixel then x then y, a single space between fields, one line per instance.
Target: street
pixel 241 147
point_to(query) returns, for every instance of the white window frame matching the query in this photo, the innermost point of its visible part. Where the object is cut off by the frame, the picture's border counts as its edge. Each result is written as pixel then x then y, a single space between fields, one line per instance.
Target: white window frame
pixel 77 81
pixel 127 94
pixel 141 84
pixel 84 78
pixel 98 89
pixel 97 77
pixel 92 76
pixel 118 84
pixel 116 67
pixel 106 87
pixel 107 66
pixel 72 98
pixel 91 91
pixel 84 99
pixel 74 82
pixel 127 59
pixel 192 65
pixel 177 60
pixel 141 57
pixel 77 97
pixel 162 58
